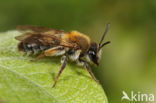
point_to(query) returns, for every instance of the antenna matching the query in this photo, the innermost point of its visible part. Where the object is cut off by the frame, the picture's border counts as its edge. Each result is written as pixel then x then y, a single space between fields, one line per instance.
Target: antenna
pixel 106 30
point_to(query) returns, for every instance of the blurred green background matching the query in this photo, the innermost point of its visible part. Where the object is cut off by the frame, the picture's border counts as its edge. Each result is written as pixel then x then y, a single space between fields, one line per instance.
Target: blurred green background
pixel 128 63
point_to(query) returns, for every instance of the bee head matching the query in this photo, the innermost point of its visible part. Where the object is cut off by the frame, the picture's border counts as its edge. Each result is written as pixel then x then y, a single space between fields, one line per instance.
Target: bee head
pixel 94 54
pixel 94 51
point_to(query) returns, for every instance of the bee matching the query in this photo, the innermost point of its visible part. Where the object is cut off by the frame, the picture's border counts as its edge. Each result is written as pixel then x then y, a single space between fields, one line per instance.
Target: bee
pixel 74 46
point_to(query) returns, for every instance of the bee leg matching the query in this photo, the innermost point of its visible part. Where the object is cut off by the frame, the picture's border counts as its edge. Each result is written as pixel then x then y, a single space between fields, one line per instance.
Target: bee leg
pixel 28 53
pixel 63 61
pixel 55 51
pixel 83 63
pixel 38 58
pixel 90 72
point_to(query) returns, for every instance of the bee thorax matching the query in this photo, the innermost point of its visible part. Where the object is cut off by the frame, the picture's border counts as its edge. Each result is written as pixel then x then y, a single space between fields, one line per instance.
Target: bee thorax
pixel 74 55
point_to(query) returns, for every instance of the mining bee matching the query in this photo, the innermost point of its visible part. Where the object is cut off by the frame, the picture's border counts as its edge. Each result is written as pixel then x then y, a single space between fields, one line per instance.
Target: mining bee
pixel 73 46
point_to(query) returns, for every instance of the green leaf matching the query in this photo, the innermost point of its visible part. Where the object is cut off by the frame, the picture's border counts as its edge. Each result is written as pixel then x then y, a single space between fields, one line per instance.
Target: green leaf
pixel 22 81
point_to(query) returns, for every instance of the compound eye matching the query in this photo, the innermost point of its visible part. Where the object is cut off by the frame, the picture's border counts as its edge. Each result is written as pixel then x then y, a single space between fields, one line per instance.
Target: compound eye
pixel 93 57
pixel 91 53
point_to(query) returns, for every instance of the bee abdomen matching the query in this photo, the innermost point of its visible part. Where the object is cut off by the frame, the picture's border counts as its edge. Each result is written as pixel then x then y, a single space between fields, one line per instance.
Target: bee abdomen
pixel 32 48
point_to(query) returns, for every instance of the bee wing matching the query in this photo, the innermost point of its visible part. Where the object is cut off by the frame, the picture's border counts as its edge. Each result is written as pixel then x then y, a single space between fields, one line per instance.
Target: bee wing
pixel 43 36
pixel 37 28
pixel 44 39
pixel 69 45
pixel 23 36
pixel 33 28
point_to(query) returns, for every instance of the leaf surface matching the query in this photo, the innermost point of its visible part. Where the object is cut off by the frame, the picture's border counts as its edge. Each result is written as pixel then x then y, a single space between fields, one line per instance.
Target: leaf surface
pixel 22 81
